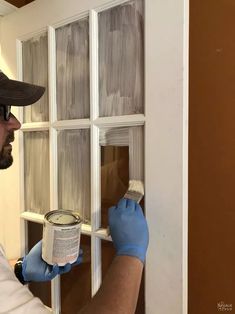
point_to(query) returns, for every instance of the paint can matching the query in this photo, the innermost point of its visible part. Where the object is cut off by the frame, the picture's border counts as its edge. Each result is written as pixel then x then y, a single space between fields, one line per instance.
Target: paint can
pixel 61 237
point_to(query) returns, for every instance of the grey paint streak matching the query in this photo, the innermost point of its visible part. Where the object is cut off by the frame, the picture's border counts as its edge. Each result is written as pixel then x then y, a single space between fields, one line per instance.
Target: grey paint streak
pixel 72 65
pixel 121 59
pixel 36 172
pixel 74 171
pixel 35 70
pixel 136 153
pixel 134 138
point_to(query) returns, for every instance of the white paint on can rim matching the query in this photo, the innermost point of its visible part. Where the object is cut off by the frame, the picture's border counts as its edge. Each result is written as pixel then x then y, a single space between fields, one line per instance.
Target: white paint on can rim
pixel 61 237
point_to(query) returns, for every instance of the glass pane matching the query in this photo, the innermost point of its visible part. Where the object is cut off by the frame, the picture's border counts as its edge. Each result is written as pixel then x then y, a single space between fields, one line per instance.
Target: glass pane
pixel 36 171
pixel 72 66
pixel 74 171
pixel 108 254
pixel 114 177
pixel 121 59
pixel 76 285
pixel 35 69
pixel 41 290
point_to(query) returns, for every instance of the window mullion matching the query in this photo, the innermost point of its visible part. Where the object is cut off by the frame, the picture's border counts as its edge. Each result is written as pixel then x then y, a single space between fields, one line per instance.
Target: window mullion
pixel 55 284
pixel 95 154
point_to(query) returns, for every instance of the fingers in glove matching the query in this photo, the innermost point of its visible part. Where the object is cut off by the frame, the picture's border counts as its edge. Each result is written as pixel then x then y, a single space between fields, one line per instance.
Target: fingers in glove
pixel 52 273
pixel 65 269
pixel 130 204
pixel 122 204
pixel 138 209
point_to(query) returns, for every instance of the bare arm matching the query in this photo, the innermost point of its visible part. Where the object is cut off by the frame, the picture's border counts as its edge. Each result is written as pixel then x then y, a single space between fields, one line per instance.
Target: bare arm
pixel 120 288
pixel 119 291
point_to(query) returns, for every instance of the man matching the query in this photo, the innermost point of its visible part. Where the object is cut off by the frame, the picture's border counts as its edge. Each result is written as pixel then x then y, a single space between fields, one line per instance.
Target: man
pixel 119 291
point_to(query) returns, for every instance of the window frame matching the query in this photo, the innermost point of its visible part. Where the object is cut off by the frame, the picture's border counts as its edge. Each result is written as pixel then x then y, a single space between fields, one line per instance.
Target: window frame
pixel 95 123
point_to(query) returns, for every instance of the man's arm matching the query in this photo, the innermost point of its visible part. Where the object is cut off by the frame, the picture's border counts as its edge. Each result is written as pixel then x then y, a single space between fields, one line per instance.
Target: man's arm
pixel 120 288
pixel 119 291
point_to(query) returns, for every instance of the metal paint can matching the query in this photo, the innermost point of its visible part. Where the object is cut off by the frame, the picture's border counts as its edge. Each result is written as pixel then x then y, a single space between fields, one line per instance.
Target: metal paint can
pixel 61 237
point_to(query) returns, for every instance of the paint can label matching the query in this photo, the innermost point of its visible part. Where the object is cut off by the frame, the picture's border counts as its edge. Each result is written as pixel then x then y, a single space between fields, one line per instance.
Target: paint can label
pixel 61 237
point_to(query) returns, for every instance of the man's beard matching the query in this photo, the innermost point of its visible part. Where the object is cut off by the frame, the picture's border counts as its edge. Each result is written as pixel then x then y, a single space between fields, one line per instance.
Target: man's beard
pixel 6 158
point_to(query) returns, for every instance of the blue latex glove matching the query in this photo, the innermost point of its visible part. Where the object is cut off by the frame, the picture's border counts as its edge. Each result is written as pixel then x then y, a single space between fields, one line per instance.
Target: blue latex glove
pixel 129 229
pixel 34 268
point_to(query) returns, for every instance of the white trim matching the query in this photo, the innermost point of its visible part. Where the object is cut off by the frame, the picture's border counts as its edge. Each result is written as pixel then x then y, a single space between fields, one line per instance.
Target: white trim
pixel 185 155
pixel 55 284
pixel 30 35
pixel 86 229
pixel 6 8
pixel 56 295
pixel 35 126
pixel 120 121
pixel 33 217
pixel 70 20
pixel 96 269
pixel 95 210
pixel 39 218
pixel 110 5
pixel 72 124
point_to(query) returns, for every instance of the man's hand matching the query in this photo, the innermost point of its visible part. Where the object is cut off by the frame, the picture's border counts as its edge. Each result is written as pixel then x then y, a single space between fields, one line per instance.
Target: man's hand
pixel 35 269
pixel 129 229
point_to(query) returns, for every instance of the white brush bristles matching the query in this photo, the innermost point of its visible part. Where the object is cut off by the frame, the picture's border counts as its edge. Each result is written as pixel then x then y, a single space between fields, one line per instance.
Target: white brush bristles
pixel 135 190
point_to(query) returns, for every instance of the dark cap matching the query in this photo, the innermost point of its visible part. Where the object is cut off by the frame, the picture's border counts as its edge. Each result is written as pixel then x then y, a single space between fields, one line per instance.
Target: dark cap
pixel 16 93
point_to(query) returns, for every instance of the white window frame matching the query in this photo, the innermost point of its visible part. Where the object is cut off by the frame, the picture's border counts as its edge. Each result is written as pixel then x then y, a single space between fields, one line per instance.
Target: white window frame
pixel 94 124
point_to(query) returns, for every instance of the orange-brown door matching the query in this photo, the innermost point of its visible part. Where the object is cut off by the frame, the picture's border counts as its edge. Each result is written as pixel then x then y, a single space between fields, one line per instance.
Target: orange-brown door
pixel 212 157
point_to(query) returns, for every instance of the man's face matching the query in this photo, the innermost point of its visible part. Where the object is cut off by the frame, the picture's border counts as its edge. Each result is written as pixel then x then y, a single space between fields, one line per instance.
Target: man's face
pixel 7 129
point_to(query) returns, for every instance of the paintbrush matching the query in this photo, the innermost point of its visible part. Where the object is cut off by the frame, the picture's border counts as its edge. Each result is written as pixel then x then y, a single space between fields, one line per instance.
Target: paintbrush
pixel 135 190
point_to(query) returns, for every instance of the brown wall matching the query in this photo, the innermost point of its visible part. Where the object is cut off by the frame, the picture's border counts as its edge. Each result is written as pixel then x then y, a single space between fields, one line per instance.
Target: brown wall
pixel 212 155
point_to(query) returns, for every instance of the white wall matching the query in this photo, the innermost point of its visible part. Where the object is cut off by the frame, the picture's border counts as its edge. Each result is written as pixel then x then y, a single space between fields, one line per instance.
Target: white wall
pixel 9 189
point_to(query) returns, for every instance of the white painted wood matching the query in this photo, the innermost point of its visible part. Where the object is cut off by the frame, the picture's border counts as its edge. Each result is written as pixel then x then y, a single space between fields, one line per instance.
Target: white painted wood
pixel 30 35
pixel 56 295
pixel 35 126
pixel 72 124
pixel 165 136
pixel 38 218
pixel 109 5
pixel 86 229
pixel 96 272
pixel 165 126
pixel 185 155
pixel 95 210
pixel 33 217
pixel 121 121
pixel 95 264
pixel 70 19
pixel 55 284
